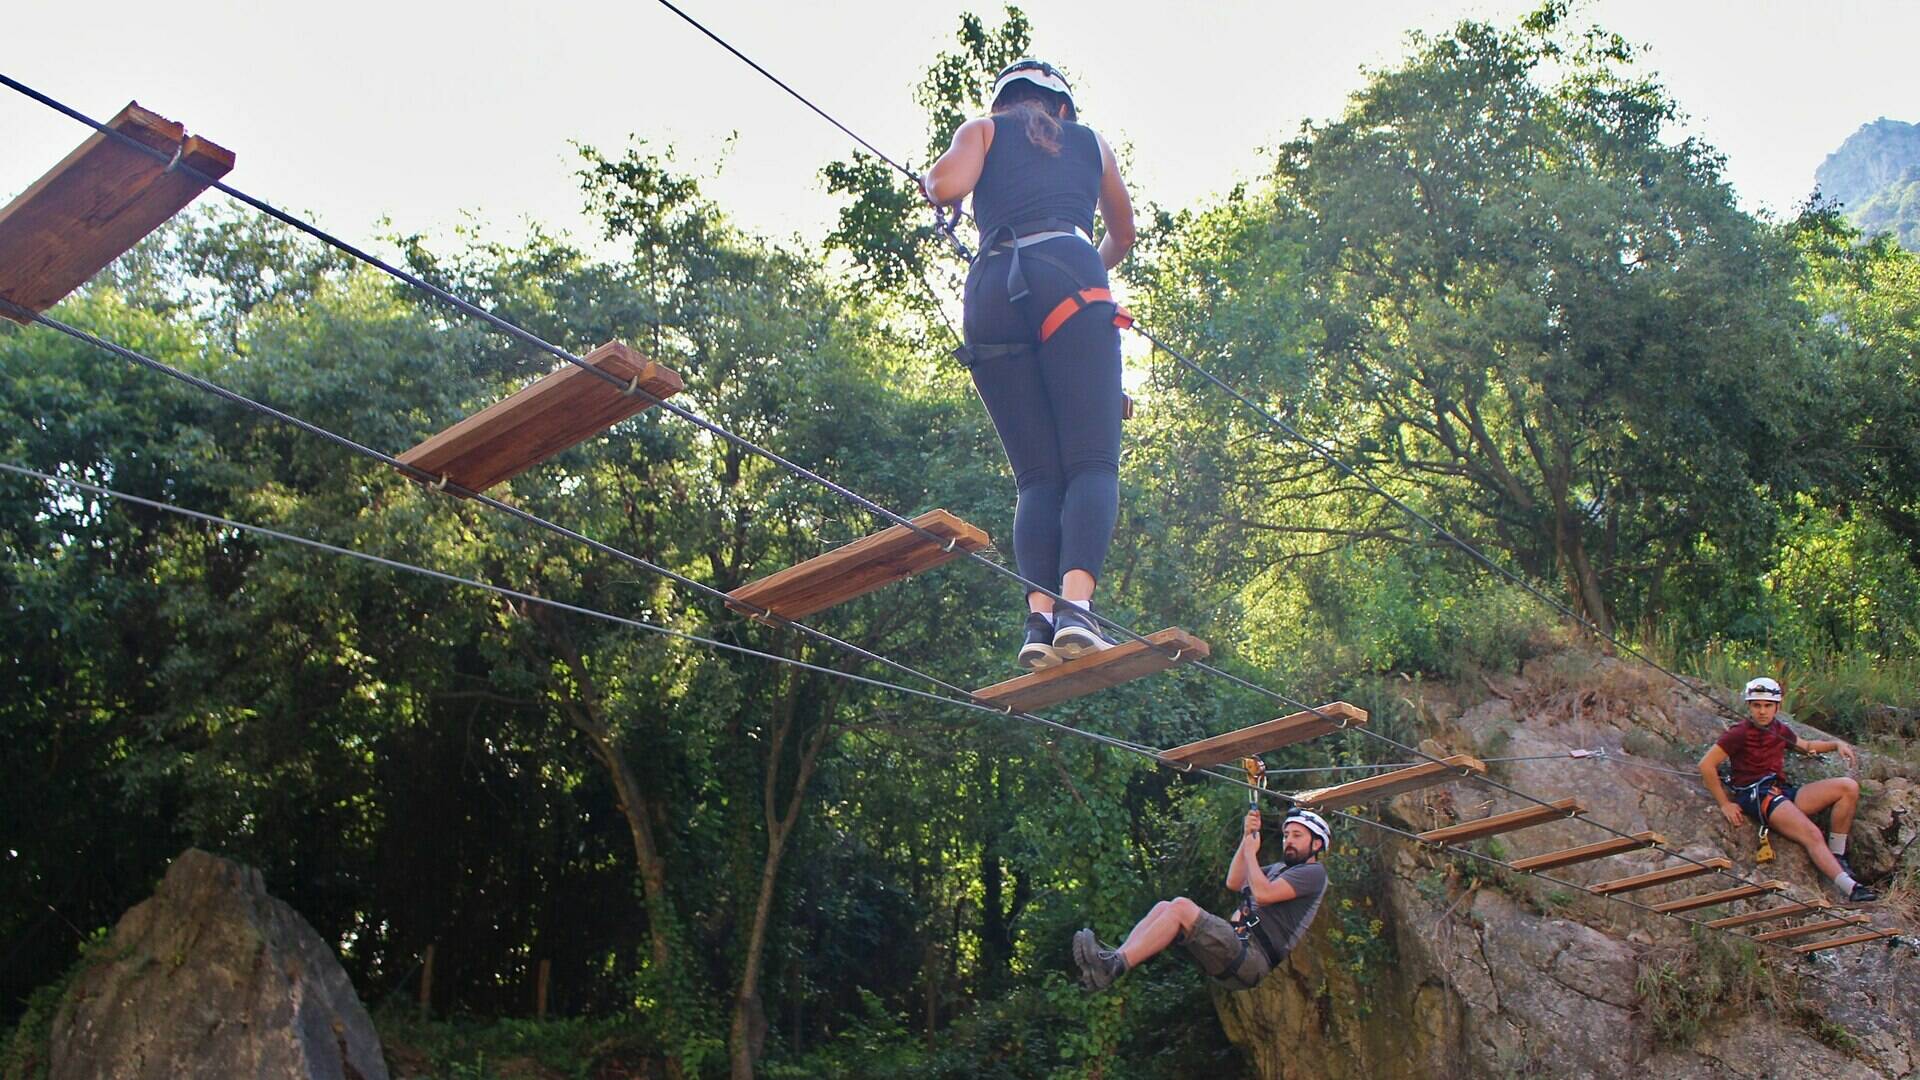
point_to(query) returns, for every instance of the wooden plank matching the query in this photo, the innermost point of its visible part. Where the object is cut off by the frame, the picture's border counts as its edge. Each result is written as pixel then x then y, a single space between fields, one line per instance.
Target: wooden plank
pixel 1834 943
pixel 1781 912
pixel 1098 671
pixel 858 568
pixel 1661 877
pixel 1724 896
pixel 1844 922
pixel 1503 823
pixel 1270 735
pixel 1590 852
pixel 561 409
pixel 1400 781
pixel 99 201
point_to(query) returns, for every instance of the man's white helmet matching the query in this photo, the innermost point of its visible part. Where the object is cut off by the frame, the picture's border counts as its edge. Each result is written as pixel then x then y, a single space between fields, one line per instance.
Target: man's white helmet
pixel 1763 689
pixel 1314 823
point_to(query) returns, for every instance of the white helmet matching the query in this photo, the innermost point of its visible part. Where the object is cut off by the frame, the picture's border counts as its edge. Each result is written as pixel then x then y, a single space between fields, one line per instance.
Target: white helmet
pixel 1314 824
pixel 1763 689
pixel 1039 73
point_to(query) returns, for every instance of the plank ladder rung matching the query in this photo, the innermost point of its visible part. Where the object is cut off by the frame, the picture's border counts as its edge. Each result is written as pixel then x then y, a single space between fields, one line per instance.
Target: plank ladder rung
pixel 1834 943
pixel 1724 896
pixel 1503 823
pixel 1784 911
pixel 559 410
pixel 98 202
pixel 1807 929
pixel 1661 877
pixel 858 568
pixel 1590 852
pixel 1109 667
pixel 1397 782
pixel 1271 735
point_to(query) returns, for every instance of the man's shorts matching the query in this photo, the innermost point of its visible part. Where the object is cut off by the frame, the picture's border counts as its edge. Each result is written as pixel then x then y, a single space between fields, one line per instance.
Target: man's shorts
pixel 1223 954
pixel 1758 801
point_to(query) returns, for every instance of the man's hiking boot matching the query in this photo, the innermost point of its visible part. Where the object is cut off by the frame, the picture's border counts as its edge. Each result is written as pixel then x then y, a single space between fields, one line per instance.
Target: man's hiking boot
pixel 1099 965
pixel 1861 894
pixel 1075 634
pixel 1038 653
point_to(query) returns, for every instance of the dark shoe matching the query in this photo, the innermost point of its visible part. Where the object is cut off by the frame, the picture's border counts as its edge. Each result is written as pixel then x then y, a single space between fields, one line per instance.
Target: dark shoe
pixel 1099 965
pixel 1844 868
pixel 1075 634
pixel 1862 895
pixel 1038 653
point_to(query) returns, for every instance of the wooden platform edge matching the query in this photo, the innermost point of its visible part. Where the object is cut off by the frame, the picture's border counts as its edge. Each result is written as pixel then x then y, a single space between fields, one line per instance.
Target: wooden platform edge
pixel 761 594
pixel 100 217
pixel 1662 877
pixel 1599 849
pixel 1784 911
pixel 1039 689
pixel 1851 939
pixel 1496 824
pixel 1247 741
pixel 1425 774
pixel 1721 896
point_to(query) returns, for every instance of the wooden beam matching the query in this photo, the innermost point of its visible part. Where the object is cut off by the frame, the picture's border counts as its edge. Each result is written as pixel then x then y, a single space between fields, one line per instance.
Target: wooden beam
pixel 1834 943
pixel 1590 852
pixel 1503 823
pixel 1842 923
pixel 1661 877
pixel 1397 782
pixel 1724 896
pixel 1781 912
pixel 1109 667
pixel 99 201
pixel 859 568
pixel 561 409
pixel 1271 735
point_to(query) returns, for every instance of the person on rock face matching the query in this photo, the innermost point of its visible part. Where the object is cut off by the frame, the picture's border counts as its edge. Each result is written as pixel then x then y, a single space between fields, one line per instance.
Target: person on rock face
pixel 1042 337
pixel 1286 896
pixel 1755 749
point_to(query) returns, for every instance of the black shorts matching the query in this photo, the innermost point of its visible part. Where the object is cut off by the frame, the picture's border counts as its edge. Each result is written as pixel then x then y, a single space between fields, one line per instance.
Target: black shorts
pixel 1758 801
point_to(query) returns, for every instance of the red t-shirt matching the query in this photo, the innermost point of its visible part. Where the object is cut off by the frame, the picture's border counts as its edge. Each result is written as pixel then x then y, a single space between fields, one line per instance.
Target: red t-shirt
pixel 1756 751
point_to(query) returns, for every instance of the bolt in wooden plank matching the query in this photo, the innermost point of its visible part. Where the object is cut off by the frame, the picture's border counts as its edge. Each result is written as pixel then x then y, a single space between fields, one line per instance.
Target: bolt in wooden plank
pixel 1662 877
pixel 99 201
pixel 1400 781
pixel 1503 823
pixel 1769 914
pixel 1589 852
pixel 1834 943
pixel 1724 896
pixel 1844 922
pixel 859 568
pixel 1098 671
pixel 559 410
pixel 1270 735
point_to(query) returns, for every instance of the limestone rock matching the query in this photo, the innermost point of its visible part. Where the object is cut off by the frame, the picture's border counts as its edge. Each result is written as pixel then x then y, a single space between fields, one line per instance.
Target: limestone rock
pixel 212 977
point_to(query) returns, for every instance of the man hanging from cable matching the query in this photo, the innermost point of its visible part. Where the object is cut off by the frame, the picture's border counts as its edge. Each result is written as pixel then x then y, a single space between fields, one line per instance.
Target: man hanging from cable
pixel 1755 751
pixel 1278 903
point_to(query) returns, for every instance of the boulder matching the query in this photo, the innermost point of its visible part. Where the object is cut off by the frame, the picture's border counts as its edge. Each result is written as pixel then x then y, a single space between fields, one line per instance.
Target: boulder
pixel 213 977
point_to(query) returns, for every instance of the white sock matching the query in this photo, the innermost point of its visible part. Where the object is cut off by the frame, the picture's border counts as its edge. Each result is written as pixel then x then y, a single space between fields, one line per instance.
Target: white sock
pixel 1083 605
pixel 1844 882
pixel 1837 843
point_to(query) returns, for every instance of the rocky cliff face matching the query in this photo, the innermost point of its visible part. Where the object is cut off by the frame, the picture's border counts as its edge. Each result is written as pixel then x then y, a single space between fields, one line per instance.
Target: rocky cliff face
pixel 1875 176
pixel 212 977
pixel 1497 974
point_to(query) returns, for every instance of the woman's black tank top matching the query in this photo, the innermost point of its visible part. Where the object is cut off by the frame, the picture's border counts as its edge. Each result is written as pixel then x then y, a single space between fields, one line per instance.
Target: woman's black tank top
pixel 1022 184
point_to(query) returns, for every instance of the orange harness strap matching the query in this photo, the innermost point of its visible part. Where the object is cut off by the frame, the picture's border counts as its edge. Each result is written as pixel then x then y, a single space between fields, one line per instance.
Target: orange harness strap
pixel 1068 308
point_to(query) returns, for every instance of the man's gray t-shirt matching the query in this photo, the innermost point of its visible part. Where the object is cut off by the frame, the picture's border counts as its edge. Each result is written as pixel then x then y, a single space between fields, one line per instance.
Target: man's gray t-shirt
pixel 1285 923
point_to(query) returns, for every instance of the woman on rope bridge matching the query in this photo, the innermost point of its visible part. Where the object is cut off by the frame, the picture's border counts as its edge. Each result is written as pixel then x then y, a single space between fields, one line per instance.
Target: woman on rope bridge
pixel 1280 901
pixel 1042 336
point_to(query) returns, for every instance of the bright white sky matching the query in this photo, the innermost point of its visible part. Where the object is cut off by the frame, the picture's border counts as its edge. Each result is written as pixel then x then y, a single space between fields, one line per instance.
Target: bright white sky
pixel 428 113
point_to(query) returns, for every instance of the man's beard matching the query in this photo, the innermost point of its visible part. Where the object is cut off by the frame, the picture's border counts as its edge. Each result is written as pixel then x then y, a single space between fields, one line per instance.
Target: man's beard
pixel 1290 857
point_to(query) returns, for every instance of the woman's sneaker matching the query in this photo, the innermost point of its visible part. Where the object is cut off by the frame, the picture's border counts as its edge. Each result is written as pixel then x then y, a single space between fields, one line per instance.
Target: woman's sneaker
pixel 1075 633
pixel 1038 653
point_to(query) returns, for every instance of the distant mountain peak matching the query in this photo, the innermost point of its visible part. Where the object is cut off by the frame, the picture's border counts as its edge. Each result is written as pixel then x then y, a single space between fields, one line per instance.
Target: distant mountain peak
pixel 1875 176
